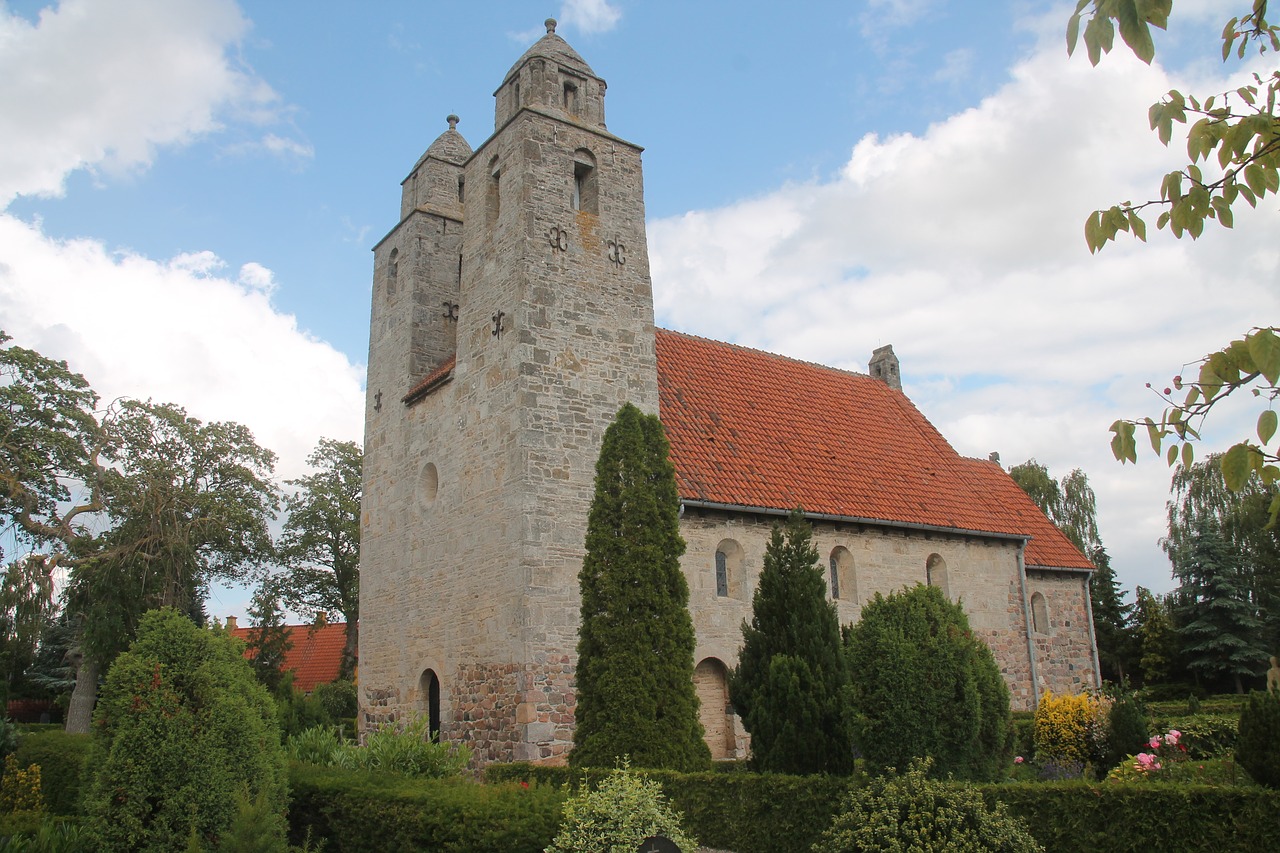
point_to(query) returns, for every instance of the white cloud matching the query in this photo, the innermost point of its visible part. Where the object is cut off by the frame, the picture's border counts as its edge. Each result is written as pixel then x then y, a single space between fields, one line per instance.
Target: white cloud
pixel 964 248
pixel 590 16
pixel 102 85
pixel 178 331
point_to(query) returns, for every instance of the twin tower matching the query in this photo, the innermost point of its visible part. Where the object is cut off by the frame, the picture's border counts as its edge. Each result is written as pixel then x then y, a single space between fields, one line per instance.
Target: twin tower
pixel 512 317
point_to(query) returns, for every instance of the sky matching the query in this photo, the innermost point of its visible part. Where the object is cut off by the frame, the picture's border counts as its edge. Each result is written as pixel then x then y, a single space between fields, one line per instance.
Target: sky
pixel 190 189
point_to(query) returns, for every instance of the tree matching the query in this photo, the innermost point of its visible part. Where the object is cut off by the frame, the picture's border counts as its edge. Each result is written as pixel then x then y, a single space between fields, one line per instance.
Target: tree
pixel 269 640
pixel 922 685
pixel 1111 616
pixel 183 727
pixel 1240 517
pixel 320 546
pixel 1237 138
pixel 790 677
pixel 188 502
pixel 1071 504
pixel 1157 638
pixel 635 694
pixel 1219 626
pixel 27 609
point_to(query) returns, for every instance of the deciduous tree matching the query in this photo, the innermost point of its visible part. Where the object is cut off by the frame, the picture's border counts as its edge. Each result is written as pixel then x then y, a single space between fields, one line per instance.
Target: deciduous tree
pixel 635 694
pixel 790 679
pixel 320 546
pixel 1233 144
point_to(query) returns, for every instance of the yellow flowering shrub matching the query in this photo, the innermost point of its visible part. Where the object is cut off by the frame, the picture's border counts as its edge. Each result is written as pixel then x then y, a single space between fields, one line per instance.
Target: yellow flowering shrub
pixel 20 790
pixel 1071 728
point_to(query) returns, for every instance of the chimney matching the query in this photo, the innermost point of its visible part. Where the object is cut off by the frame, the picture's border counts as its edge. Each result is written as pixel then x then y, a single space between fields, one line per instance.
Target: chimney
pixel 884 366
pixel 231 623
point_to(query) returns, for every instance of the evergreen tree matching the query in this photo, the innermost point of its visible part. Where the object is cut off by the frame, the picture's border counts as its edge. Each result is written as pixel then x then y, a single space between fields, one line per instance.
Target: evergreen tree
pixel 269 641
pixel 921 684
pixel 635 693
pixel 790 677
pixel 1220 629
pixel 1116 643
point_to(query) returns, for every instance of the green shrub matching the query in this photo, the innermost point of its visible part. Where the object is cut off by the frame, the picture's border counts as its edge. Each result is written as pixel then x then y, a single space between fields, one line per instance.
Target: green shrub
pixel 1204 735
pixel 1023 724
pixel 407 750
pixel 43 834
pixel 258 827
pixel 62 759
pixel 355 812
pixel 624 810
pixel 922 685
pixel 913 812
pixel 180 726
pixel 20 789
pixel 1128 729
pixel 338 699
pixel 1258 743
pixel 8 736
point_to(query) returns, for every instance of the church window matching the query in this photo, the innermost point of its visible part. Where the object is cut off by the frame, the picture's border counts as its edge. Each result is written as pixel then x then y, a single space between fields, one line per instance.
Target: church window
pixel 729 582
pixel 1039 614
pixel 428 484
pixel 494 201
pixel 935 570
pixel 842 582
pixel 393 269
pixel 571 98
pixel 586 193
pixel 462 186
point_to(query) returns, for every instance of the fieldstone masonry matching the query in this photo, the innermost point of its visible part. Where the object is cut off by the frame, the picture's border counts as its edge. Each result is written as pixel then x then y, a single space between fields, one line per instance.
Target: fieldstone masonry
pixel 512 317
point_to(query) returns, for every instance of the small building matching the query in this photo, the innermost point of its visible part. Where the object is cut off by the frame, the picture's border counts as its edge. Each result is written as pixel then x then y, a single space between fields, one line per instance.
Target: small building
pixel 315 656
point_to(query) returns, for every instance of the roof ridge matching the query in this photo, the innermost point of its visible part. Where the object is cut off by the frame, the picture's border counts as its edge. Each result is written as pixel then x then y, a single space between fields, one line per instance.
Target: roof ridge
pixel 766 352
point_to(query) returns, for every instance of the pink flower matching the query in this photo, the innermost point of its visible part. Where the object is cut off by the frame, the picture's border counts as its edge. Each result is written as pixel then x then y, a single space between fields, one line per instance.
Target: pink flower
pixel 1018 760
pixel 1172 737
pixel 1155 742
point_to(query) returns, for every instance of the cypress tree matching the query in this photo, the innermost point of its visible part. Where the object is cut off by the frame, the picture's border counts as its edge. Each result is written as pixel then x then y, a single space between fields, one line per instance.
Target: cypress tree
pixel 635 693
pixel 922 685
pixel 790 673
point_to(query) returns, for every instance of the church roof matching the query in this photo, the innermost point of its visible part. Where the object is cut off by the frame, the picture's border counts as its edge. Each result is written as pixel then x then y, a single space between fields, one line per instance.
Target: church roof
pixel 316 655
pixel 552 47
pixel 753 429
pixel 449 146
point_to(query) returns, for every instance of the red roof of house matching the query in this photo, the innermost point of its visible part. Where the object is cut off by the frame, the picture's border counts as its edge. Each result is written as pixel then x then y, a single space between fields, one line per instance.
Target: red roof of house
pixel 316 655
pixel 753 429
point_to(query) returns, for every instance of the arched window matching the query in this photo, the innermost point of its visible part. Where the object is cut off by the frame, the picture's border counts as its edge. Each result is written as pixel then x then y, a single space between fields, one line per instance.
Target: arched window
pixel 429 699
pixel 729 569
pixel 393 269
pixel 1039 614
pixel 935 570
pixel 493 202
pixel 840 575
pixel 586 194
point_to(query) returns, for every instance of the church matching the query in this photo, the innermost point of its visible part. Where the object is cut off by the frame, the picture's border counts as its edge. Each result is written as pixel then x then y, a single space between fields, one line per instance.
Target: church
pixel 512 317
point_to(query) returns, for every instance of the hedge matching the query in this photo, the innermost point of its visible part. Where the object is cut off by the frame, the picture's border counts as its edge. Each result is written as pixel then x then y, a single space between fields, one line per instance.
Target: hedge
pixel 1074 816
pixel 353 812
pixel 743 812
pixel 751 813
pixel 62 759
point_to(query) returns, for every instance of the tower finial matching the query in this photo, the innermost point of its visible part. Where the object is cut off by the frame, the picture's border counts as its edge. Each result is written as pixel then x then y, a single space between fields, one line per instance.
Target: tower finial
pixel 551 26
pixel 453 121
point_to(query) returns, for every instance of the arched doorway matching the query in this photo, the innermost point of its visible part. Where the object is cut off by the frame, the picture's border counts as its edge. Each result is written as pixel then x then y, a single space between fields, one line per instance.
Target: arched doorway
pixel 429 691
pixel 711 681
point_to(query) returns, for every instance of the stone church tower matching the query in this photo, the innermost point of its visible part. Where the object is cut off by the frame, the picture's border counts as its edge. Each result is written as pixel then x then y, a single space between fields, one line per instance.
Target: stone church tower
pixel 512 317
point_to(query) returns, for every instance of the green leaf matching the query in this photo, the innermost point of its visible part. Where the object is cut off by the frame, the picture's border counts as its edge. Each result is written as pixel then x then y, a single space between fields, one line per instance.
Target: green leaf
pixel 1264 346
pixel 1073 33
pixel 1123 446
pixel 1172 456
pixel 1266 425
pixel 1155 434
pixel 1134 31
pixel 1237 465
pixel 1139 227
pixel 1188 455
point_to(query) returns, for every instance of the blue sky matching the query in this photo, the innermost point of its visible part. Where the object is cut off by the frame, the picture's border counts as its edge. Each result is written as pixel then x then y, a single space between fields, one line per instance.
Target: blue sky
pixel 191 188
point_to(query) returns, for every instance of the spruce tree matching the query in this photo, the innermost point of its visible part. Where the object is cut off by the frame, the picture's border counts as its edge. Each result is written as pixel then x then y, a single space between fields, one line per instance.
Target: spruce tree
pixel 635 693
pixel 790 676
pixel 1117 645
pixel 1220 628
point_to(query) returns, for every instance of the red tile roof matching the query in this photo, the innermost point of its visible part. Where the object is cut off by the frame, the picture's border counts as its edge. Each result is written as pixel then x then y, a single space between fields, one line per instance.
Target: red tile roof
pixel 753 429
pixel 316 655
pixel 432 380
